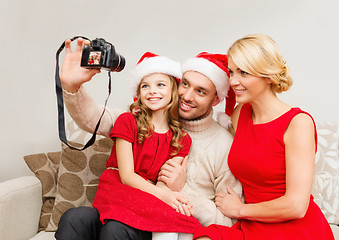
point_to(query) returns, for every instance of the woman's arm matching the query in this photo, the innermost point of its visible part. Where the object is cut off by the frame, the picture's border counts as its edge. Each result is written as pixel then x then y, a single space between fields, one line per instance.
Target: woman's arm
pixel 130 178
pixel 299 141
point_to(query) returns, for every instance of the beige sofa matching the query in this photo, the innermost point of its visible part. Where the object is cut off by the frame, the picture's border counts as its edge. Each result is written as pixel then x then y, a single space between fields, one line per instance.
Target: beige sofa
pixel 32 203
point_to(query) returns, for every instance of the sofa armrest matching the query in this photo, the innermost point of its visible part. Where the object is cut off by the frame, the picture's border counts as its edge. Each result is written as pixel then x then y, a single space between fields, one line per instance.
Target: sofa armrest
pixel 20 207
pixel 335 230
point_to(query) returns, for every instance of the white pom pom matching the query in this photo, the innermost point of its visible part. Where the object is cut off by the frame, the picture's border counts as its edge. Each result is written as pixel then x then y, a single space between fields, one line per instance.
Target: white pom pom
pixel 223 119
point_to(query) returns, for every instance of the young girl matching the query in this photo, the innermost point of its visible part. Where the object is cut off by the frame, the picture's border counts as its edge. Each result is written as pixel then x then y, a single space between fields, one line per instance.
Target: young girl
pixel 144 139
pixel 272 154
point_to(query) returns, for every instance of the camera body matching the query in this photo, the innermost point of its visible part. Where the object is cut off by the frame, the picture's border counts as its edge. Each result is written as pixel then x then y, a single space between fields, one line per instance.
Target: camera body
pixel 102 54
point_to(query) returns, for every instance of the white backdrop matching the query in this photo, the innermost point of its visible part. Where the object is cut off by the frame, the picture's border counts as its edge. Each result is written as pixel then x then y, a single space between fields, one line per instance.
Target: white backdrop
pixel 31 31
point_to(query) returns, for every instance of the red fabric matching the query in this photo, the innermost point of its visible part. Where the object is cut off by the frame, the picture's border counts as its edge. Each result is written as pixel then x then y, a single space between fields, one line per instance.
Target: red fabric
pixel 261 170
pixel 230 102
pixel 218 59
pixel 147 55
pixel 132 206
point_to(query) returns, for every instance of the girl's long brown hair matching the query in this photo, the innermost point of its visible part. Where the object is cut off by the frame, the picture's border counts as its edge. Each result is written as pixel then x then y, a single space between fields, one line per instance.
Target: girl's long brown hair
pixel 143 117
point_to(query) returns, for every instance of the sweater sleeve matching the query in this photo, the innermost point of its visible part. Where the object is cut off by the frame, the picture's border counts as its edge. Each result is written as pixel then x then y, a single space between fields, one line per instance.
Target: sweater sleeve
pixel 86 113
pixel 223 176
pixel 209 173
pixel 207 213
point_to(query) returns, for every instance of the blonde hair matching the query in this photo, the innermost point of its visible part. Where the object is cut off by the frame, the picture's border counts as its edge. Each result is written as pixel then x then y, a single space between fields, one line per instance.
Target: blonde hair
pixel 260 56
pixel 143 117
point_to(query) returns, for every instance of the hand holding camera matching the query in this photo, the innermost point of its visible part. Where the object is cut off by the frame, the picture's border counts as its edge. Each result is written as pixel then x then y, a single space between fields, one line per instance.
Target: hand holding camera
pixel 86 61
pixel 72 74
pixel 101 54
pixel 79 67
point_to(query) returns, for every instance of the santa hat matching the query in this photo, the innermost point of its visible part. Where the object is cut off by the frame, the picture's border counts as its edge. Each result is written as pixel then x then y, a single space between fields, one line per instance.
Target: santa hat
pixel 214 66
pixel 152 63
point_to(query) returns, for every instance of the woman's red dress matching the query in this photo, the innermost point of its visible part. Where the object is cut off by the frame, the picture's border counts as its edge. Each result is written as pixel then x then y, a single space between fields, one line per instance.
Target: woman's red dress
pixel 257 159
pixel 136 208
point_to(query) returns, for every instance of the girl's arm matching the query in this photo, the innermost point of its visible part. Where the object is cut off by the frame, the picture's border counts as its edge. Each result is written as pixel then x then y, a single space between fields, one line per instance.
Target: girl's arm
pixel 187 208
pixel 299 141
pixel 130 178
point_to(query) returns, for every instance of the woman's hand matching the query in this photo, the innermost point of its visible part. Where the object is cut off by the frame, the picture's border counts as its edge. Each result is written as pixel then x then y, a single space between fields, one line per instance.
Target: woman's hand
pixel 229 203
pixel 72 75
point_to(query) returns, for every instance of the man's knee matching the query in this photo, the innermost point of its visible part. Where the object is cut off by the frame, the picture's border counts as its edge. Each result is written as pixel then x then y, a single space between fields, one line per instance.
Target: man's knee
pixel 117 230
pixel 83 214
pixel 80 223
pixel 79 215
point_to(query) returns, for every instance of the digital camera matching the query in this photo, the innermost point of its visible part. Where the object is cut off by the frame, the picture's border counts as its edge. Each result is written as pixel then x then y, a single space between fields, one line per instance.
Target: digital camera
pixel 101 54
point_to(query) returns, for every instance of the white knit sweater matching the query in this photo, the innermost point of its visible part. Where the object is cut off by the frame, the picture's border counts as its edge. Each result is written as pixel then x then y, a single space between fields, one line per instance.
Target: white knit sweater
pixel 207 168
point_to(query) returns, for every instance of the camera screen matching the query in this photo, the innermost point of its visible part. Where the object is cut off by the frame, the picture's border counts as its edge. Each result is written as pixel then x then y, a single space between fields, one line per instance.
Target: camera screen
pixel 94 58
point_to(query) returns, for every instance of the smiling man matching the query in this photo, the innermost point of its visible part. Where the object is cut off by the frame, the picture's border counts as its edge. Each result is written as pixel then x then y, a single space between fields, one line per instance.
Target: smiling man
pixel 204 84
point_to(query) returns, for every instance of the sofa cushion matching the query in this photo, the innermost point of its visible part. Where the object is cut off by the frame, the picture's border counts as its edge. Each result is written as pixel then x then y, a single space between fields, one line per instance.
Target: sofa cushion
pixel 20 207
pixel 45 168
pixel 78 176
pixel 326 175
pixel 44 236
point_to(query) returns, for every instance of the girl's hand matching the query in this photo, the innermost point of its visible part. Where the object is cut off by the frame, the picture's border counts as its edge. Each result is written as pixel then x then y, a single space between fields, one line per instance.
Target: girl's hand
pixel 174 199
pixel 186 209
pixel 72 75
pixel 229 203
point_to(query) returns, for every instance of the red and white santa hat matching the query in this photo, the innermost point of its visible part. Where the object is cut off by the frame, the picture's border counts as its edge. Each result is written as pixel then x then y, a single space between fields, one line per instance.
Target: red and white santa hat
pixel 152 63
pixel 214 66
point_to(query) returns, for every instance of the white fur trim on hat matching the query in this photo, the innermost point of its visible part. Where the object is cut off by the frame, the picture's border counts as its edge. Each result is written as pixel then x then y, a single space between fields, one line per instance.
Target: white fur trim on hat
pixel 158 64
pixel 223 119
pixel 212 71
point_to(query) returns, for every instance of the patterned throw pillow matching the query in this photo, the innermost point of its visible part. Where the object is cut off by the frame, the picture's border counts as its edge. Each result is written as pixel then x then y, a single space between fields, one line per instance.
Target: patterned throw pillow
pixel 78 176
pixel 45 167
pixel 326 175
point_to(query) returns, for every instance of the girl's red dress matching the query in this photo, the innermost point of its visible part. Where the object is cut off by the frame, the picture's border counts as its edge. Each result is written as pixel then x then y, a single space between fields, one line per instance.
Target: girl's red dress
pixel 257 159
pixel 136 208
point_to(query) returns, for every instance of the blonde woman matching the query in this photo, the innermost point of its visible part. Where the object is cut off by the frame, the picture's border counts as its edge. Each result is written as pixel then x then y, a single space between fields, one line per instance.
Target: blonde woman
pixel 272 153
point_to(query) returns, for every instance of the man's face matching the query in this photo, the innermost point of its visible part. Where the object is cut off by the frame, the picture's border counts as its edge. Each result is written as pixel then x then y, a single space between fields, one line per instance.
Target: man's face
pixel 197 96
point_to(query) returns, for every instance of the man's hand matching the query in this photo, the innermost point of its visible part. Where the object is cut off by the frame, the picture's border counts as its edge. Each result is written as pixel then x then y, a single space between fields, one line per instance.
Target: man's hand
pixel 173 174
pixel 72 74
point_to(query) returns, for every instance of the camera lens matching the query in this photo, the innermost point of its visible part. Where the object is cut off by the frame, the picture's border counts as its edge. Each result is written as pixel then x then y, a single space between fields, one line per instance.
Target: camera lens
pixel 119 63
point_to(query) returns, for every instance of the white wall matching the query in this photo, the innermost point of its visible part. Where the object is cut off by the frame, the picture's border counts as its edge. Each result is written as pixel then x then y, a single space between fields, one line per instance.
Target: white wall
pixel 31 31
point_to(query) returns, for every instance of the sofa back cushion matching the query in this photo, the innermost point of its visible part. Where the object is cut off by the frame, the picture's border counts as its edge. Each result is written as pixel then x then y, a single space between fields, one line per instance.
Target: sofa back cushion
pixel 45 167
pixel 77 178
pixel 326 173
